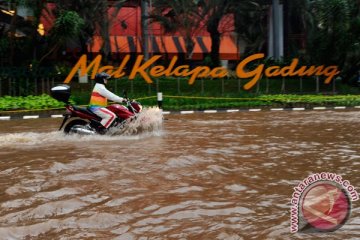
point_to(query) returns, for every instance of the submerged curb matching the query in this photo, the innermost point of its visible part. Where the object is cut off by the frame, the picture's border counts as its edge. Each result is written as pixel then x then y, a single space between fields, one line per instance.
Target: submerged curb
pixel 260 109
pixel 4 118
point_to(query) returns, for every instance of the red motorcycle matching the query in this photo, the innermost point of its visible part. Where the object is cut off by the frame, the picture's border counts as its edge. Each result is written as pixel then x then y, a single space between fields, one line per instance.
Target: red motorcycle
pixel 82 121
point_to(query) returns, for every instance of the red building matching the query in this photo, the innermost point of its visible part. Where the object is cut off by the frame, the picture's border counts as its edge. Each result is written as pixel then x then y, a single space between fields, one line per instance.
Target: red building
pixel 126 36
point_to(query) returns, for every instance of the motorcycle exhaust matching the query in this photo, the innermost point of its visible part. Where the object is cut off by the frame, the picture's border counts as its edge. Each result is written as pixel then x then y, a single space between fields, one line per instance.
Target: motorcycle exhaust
pixel 79 129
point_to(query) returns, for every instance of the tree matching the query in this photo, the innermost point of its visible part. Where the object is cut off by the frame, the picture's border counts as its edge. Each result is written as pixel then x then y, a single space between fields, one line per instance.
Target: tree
pixel 12 31
pixel 67 26
pixel 95 14
pixel 187 16
pixel 251 23
pixel 37 7
pixel 178 16
pixel 213 11
pixel 250 19
pixel 89 14
pixel 334 36
pixel 352 62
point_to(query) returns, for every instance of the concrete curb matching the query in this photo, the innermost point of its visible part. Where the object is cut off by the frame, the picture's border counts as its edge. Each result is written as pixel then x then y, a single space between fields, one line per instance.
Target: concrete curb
pixel 44 115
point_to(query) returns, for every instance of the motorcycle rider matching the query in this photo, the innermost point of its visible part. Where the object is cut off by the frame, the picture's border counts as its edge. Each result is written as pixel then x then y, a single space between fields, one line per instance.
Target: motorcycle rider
pixel 98 101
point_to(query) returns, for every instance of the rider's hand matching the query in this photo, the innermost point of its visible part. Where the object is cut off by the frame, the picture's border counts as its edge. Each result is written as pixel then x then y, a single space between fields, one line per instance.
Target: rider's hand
pixel 125 100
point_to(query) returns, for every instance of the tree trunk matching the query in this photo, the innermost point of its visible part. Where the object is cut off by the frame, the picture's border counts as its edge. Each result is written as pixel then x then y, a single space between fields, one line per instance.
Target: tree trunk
pixel 83 45
pixel 52 50
pixel 104 23
pixel 36 37
pixel 349 74
pixel 212 28
pixel 12 35
pixel 106 48
pixel 189 45
pixel 215 47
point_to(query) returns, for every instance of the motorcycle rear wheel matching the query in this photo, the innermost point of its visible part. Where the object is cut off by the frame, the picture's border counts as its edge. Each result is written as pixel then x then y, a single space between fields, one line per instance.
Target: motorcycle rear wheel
pixel 72 123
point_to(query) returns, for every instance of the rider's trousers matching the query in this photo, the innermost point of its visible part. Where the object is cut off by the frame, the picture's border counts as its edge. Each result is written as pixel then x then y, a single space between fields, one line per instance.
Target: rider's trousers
pixel 107 116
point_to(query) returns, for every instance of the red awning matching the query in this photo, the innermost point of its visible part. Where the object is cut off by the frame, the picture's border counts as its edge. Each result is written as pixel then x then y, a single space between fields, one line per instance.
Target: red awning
pixel 118 44
pixel 168 46
pixel 229 49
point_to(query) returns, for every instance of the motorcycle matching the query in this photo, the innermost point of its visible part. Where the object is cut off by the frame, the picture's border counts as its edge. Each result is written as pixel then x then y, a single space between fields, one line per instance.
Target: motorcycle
pixel 82 121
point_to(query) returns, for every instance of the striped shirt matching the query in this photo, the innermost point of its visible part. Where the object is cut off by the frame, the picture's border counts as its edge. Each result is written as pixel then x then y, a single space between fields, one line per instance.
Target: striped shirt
pixel 100 96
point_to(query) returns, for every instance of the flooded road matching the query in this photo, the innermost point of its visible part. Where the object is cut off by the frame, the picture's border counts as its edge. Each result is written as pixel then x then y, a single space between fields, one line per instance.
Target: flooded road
pixel 204 176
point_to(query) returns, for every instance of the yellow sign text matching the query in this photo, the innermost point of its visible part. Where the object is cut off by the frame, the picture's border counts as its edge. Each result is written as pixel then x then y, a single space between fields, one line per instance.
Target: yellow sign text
pixel 149 69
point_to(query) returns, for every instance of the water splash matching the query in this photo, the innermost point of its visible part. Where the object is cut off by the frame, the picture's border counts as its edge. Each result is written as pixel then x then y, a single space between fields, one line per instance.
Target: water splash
pixel 147 124
pixel 29 139
pixel 149 120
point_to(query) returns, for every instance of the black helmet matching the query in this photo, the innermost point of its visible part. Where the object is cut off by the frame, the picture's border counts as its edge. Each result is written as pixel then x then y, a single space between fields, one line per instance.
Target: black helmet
pixel 100 77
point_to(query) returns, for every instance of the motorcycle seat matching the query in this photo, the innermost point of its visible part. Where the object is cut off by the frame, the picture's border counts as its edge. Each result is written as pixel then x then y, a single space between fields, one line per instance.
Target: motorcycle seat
pixel 85 111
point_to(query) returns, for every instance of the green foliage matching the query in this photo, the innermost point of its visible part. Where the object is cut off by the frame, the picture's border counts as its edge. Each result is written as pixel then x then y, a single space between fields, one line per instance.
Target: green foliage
pixel 329 37
pixel 288 99
pixel 199 104
pixel 68 25
pixel 30 103
pixel 4 46
pixel 263 100
pixel 332 31
pixel 279 100
pixel 251 22
pixel 183 16
pixel 188 100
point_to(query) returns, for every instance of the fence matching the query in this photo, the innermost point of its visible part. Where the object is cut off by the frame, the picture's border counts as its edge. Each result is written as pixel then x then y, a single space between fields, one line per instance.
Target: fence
pixel 228 86
pixel 23 83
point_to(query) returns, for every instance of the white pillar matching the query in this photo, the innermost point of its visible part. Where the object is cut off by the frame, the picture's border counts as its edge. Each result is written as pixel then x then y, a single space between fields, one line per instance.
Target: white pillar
pixel 276 31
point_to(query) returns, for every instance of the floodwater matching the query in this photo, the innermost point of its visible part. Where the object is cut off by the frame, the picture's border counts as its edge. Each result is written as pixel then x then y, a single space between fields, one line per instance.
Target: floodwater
pixel 203 176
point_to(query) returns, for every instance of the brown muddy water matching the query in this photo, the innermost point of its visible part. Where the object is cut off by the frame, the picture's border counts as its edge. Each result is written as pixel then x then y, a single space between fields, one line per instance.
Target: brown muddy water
pixel 203 176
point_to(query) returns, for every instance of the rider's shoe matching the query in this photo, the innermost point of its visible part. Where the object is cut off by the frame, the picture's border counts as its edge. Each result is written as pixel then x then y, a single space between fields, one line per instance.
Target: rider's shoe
pixel 102 130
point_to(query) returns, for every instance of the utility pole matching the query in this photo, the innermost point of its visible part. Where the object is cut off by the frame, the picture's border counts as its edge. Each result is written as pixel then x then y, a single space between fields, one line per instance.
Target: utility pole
pixel 144 29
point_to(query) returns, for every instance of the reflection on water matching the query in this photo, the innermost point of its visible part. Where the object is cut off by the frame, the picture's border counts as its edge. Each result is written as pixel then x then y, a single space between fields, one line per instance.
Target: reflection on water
pixel 209 176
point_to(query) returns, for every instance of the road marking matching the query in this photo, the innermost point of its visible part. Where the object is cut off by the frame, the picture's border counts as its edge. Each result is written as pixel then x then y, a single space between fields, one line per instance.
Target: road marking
pixel 187 112
pixel 192 111
pixel 31 117
pixel 210 111
pixel 56 116
pixel 232 110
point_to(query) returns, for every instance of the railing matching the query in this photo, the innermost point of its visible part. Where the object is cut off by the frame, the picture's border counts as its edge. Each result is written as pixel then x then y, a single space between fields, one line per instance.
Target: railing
pixel 22 82
pixel 17 82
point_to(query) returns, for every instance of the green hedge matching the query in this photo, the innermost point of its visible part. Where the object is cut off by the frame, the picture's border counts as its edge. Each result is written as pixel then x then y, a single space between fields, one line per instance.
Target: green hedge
pixel 29 103
pixel 187 102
